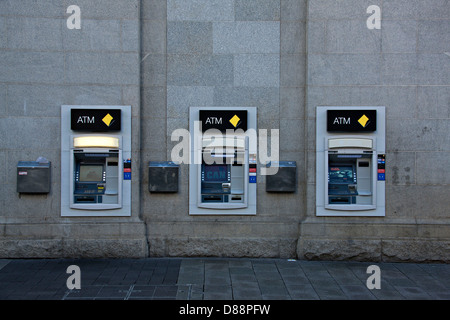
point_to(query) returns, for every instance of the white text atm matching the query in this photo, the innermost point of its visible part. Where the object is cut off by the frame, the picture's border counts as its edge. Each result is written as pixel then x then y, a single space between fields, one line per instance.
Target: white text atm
pixel 350 161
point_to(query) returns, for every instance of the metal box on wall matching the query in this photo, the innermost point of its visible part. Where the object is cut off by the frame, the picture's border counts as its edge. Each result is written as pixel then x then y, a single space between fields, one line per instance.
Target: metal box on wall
pixel 285 180
pixel 163 177
pixel 33 177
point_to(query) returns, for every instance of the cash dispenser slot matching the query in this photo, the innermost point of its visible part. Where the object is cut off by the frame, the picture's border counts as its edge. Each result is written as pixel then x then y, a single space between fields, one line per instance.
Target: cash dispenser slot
pixel 341 200
pixel 211 198
pixel 85 199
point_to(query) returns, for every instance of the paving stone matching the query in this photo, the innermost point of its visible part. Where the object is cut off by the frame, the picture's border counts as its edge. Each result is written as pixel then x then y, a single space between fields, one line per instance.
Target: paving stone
pixel 198 279
pixel 217 280
pixel 142 292
pixel 84 292
pixel 413 293
pixel 302 292
pixel 246 293
pixel 330 293
pixel 243 278
pixel 166 291
pixel 295 280
pixel 217 292
pixel 357 292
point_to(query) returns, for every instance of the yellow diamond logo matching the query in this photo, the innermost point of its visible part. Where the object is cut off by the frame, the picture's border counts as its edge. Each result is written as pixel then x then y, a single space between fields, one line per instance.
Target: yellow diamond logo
pixel 235 121
pixel 363 121
pixel 107 120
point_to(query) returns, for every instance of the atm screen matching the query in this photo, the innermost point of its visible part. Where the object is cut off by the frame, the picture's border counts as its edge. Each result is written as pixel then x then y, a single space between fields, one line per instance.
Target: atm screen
pixel 91 173
pixel 341 174
pixel 215 173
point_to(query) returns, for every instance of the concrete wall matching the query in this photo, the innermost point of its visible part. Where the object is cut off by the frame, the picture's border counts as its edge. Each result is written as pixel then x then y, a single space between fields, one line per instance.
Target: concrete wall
pixel 283 56
pixel 45 65
pixel 223 53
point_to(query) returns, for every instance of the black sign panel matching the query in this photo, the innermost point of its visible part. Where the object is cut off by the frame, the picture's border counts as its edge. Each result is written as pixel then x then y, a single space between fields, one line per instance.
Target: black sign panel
pixel 223 119
pixel 100 120
pixel 352 120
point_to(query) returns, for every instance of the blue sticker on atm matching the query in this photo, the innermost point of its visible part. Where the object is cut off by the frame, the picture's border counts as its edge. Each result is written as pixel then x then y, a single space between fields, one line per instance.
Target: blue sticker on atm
pixel 381 177
pixel 127 169
pixel 252 179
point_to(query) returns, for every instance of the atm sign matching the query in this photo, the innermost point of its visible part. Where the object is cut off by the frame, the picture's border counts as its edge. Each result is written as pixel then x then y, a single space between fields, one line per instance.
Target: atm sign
pixel 352 120
pixel 100 120
pixel 223 119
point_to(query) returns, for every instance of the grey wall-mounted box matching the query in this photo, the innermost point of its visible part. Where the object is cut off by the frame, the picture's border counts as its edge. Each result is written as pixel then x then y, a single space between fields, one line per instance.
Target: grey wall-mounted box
pixel 33 177
pixel 163 177
pixel 285 180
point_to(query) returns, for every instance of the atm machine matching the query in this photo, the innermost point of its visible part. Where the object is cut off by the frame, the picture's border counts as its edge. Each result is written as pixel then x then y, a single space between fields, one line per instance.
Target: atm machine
pixel 350 161
pixel 222 172
pixel 95 161
pixel 349 167
pixel 224 179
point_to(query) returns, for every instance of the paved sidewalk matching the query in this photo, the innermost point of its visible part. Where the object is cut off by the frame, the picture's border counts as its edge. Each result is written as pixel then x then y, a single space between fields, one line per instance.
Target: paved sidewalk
pixel 220 279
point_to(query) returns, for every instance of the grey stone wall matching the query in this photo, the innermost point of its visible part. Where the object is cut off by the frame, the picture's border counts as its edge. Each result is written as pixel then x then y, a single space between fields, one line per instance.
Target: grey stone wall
pixel 45 65
pixel 223 53
pixel 404 66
